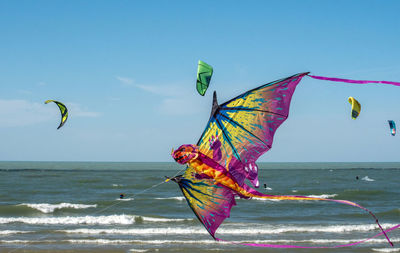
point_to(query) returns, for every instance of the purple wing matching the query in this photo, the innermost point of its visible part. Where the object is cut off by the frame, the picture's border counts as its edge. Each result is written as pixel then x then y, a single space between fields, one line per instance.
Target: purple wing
pixel 245 126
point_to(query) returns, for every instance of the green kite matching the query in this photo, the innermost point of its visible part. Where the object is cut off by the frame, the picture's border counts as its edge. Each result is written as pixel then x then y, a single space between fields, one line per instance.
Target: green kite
pixel 204 73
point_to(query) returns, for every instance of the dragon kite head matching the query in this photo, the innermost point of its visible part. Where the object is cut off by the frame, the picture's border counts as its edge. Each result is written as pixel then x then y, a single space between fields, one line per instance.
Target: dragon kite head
pixel 185 153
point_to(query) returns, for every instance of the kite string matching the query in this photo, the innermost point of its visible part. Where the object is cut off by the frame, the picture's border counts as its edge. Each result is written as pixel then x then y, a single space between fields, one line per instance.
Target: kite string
pixel 151 187
pixel 102 210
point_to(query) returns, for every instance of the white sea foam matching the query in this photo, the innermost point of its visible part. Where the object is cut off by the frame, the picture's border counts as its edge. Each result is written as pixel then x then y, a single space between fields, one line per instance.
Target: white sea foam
pixel 151 219
pixel 26 241
pixel 144 231
pixel 109 241
pixel 125 199
pixel 117 185
pixel 306 229
pixel 90 220
pixel 144 242
pixel 233 230
pixel 49 208
pixel 327 229
pixel 13 232
pixel 387 250
pixel 328 241
pixel 366 178
pixel 173 198
pixel 143 250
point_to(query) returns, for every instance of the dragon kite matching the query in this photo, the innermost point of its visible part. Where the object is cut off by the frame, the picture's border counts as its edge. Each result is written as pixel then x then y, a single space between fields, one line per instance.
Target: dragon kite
pixel 238 132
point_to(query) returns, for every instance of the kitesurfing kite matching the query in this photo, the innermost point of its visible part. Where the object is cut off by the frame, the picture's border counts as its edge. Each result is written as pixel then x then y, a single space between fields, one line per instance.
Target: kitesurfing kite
pixel 355 107
pixel 204 74
pixel 238 132
pixel 63 110
pixel 392 126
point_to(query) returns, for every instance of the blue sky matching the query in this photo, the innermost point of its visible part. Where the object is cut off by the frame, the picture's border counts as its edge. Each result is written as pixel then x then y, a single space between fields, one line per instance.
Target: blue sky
pixel 127 69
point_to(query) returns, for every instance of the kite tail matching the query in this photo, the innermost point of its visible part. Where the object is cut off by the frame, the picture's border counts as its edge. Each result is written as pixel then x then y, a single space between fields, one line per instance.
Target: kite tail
pixel 311 247
pixel 257 194
pixel 333 79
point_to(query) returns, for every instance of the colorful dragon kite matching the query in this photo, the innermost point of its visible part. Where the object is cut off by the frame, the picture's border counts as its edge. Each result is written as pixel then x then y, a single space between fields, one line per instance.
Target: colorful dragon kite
pixel 237 134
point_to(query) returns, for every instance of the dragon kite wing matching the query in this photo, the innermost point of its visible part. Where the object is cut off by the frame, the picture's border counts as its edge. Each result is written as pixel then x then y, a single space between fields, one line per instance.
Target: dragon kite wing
pixel 245 126
pixel 63 110
pixel 204 73
pixel 210 202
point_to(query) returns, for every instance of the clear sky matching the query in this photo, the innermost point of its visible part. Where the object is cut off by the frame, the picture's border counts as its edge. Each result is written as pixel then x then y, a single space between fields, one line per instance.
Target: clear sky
pixel 127 70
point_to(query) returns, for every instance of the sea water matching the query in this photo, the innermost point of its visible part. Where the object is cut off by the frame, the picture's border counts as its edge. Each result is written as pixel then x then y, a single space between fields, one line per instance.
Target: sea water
pixel 75 207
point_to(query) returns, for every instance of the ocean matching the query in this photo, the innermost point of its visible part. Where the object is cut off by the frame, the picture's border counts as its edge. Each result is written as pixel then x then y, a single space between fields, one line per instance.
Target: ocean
pixel 75 207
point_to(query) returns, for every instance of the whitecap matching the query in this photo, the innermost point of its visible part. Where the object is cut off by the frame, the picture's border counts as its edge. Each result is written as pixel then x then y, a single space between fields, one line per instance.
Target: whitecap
pixel 49 208
pixel 89 220
pixel 121 241
pixel 143 250
pixel 181 198
pixel 162 219
pixel 233 230
pixel 13 232
pixel 366 178
pixel 201 242
pixel 125 199
pixel 387 250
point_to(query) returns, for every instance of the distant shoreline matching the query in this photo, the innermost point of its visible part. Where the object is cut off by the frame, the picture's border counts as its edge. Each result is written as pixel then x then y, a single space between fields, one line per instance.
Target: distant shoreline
pixel 115 166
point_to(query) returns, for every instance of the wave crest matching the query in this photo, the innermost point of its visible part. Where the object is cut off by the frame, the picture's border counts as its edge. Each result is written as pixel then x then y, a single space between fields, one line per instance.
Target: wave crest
pixel 88 220
pixel 49 208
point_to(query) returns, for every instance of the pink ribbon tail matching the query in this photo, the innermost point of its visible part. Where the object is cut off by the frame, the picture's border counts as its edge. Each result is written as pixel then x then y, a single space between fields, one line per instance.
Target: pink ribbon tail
pixel 333 79
pixel 310 247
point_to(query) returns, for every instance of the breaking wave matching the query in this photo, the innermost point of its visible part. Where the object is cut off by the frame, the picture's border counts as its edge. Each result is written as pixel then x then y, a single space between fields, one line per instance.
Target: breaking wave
pixel 88 220
pixel 144 242
pixel 366 178
pixel 173 198
pixel 49 208
pixel 232 231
